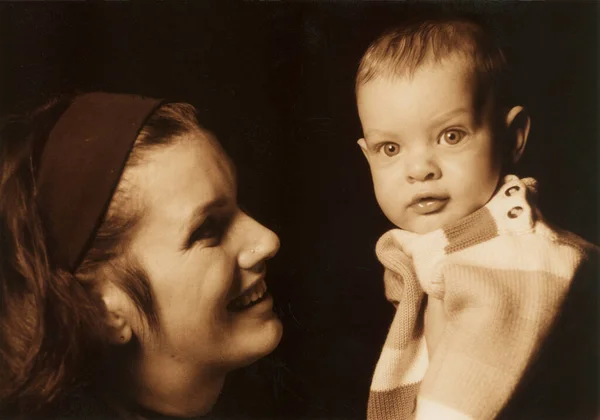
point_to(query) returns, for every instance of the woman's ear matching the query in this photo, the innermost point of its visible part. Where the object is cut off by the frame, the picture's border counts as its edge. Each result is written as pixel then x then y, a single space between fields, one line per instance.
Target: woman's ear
pixel 517 125
pixel 118 313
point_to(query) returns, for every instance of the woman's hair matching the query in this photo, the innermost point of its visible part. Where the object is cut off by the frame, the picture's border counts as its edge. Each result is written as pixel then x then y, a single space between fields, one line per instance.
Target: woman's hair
pixel 52 331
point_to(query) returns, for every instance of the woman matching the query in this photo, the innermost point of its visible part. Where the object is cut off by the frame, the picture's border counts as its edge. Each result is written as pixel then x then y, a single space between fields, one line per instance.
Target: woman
pixel 128 271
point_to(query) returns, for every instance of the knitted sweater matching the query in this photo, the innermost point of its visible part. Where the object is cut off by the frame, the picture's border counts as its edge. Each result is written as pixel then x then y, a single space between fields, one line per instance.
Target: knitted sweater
pixel 501 274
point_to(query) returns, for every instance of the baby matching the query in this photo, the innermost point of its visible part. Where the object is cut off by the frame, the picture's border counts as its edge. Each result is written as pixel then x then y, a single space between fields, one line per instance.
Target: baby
pixel 476 275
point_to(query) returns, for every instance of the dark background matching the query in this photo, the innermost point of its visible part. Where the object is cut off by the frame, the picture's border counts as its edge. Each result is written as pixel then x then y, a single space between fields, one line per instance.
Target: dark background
pixel 274 81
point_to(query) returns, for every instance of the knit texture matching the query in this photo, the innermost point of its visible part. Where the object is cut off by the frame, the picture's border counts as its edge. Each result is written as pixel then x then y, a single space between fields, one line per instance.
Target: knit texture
pixel 502 274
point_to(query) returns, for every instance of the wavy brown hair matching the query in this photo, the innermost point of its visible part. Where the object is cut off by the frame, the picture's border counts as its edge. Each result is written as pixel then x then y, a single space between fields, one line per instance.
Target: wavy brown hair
pixel 52 333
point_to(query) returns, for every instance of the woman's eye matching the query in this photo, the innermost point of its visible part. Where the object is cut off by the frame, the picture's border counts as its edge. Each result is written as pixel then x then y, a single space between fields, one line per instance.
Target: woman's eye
pixel 452 137
pixel 390 149
pixel 210 230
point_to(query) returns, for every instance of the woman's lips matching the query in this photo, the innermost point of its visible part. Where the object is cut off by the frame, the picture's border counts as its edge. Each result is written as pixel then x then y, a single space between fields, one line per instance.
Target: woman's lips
pixel 253 295
pixel 428 205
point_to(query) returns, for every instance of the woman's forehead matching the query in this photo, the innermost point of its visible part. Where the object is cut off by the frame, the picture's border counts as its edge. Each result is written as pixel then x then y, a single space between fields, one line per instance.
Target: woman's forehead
pixel 176 179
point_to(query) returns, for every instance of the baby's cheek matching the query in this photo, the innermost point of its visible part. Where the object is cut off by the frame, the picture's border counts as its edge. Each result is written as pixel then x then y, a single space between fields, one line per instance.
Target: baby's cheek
pixel 391 201
pixel 489 186
pixel 478 184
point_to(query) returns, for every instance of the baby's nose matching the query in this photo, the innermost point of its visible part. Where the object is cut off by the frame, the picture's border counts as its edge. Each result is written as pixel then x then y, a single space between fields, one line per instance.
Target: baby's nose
pixel 422 168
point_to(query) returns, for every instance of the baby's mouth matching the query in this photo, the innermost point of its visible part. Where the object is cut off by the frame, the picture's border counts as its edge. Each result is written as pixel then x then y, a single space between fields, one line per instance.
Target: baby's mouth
pixel 254 295
pixel 428 205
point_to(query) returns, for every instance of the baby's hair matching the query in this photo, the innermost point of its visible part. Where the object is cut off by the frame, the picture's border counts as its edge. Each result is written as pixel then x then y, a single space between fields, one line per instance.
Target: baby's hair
pixel 400 51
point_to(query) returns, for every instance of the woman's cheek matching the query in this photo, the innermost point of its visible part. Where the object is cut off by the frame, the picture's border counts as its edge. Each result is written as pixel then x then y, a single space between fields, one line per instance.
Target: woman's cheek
pixel 216 277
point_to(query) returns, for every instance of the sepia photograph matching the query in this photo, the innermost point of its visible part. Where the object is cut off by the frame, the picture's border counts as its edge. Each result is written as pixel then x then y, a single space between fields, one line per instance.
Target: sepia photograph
pixel 299 210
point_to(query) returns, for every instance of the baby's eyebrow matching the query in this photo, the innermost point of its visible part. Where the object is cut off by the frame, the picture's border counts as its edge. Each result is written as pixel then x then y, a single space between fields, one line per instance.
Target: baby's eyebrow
pixel 375 135
pixel 438 119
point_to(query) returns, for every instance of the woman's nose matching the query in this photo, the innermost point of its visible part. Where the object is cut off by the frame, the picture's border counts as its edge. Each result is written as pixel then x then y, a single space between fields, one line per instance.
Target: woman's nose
pixel 260 244
pixel 422 167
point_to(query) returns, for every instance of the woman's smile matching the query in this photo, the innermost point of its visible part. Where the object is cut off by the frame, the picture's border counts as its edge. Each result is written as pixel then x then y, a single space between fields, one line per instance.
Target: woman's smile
pixel 254 295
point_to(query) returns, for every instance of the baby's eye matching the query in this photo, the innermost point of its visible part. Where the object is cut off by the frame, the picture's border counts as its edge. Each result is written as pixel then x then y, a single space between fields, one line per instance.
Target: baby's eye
pixel 452 137
pixel 390 149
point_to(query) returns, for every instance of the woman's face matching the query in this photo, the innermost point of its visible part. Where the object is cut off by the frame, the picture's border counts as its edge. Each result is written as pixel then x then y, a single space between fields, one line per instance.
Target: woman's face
pixel 205 260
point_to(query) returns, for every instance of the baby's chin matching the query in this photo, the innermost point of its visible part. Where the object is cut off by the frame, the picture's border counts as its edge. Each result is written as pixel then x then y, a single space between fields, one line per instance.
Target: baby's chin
pixel 428 223
pixel 422 229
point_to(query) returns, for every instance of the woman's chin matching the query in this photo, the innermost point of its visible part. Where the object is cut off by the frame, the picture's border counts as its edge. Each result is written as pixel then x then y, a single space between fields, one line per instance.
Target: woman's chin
pixel 255 346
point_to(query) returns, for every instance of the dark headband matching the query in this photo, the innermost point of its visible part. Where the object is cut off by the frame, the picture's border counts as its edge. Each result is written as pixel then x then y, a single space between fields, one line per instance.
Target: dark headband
pixel 80 167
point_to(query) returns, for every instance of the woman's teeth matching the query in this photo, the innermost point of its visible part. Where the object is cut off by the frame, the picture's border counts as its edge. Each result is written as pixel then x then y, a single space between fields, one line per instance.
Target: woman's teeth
pixel 249 297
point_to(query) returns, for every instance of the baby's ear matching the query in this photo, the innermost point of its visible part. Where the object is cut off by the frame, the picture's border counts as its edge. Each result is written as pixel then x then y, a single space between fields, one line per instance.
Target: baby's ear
pixel 517 125
pixel 119 311
pixel 363 146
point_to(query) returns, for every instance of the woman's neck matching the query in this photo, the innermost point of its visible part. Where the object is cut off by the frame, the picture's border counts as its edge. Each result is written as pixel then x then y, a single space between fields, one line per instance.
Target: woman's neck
pixel 165 385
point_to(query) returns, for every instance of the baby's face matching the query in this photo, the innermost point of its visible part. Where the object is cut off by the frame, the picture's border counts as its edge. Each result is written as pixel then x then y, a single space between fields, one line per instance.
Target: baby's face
pixel 430 146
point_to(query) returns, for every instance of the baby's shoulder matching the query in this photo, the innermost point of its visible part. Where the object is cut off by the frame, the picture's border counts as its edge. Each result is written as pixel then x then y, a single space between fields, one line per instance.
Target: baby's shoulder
pixel 565 238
